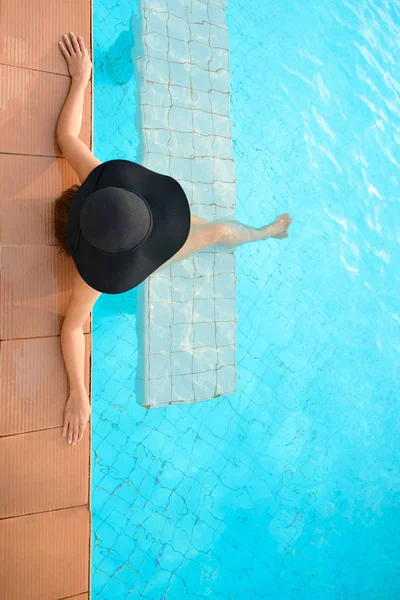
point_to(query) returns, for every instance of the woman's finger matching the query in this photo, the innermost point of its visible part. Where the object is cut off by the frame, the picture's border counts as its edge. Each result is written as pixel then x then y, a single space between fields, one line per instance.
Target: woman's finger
pixel 81 430
pixel 64 50
pixel 75 434
pixel 70 433
pixel 68 44
pixel 65 428
pixel 75 42
pixel 81 44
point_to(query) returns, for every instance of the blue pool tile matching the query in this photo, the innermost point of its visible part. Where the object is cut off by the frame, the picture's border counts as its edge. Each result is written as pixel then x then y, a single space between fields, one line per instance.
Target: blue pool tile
pixel 160 365
pixel 219 80
pixel 161 314
pixel 157 523
pixel 203 170
pixel 160 292
pixel 225 262
pixel 182 290
pixel 203 145
pixel 203 536
pixel 178 50
pixel 198 13
pixel 226 380
pixel 181 362
pixel 159 391
pixel 201 100
pixel 183 312
pixel 102 578
pixel 182 387
pixel 158 162
pixel 103 428
pixel 200 32
pixel 157 140
pixel 181 96
pixel 173 477
pixel 160 337
pixel 204 286
pixel 180 8
pixel 206 212
pixel 217 15
pixel 181 119
pixel 220 102
pixel 181 168
pixel 156 70
pixel 219 59
pixel 183 268
pixel 222 125
pixel 204 263
pixel 155 20
pixel 204 310
pixel 225 193
pixel 157 94
pixel 156 45
pixel 225 309
pixel 181 144
pixel 181 336
pixel 178 467
pixel 226 355
pixel 218 37
pixel 225 169
pixel 204 334
pixel 223 147
pixel 203 124
pixel 105 531
pixel 221 3
pixel 224 334
pixel 158 115
pixel 204 359
pixel 201 79
pixel 225 286
pixel 202 192
pixel 200 54
pixel 178 28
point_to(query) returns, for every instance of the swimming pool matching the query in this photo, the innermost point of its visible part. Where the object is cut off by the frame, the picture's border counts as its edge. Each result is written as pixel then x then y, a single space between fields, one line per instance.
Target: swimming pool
pixel 290 486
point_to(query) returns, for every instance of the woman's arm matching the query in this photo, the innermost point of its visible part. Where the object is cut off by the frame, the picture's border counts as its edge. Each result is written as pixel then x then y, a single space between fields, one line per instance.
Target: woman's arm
pixel 77 410
pixel 79 66
pixel 69 123
pixel 70 119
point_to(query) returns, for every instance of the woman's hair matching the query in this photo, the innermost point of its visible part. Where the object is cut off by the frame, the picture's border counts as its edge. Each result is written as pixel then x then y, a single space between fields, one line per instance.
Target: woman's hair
pixel 61 209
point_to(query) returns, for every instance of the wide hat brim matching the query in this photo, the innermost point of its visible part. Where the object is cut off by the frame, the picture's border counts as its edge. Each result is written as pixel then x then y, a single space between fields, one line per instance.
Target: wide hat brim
pixel 170 213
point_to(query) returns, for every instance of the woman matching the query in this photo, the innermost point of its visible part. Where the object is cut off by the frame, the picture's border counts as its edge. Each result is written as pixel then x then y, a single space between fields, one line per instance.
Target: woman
pixel 121 224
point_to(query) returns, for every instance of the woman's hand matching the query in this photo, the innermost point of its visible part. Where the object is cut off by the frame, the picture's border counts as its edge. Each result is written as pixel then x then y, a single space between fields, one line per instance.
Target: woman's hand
pixel 77 57
pixel 76 416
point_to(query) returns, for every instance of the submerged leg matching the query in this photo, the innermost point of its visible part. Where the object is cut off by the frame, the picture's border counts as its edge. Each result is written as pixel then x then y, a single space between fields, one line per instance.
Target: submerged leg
pixel 228 234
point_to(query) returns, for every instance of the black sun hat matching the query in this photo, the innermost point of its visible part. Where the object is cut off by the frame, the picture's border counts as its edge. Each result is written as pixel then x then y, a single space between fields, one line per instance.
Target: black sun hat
pixel 124 222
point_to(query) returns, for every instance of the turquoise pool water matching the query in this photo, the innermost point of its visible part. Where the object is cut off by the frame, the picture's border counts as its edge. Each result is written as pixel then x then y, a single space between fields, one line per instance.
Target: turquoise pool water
pixel 288 488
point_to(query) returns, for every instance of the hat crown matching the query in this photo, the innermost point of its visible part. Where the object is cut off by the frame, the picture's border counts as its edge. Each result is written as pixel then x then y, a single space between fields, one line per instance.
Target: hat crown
pixel 115 220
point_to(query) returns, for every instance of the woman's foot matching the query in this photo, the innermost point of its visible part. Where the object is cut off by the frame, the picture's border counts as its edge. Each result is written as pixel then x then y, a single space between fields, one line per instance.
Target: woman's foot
pixel 277 229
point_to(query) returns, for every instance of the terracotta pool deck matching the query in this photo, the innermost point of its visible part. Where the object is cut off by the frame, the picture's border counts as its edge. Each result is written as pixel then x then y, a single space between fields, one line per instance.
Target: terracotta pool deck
pixel 44 498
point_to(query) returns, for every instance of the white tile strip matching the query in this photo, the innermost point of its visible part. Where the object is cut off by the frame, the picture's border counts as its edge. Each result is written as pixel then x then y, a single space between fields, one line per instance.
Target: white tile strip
pixel 186 313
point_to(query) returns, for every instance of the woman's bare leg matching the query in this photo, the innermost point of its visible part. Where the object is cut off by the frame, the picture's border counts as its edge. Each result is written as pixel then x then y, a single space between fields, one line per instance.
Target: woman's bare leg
pixel 228 234
pixel 197 220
